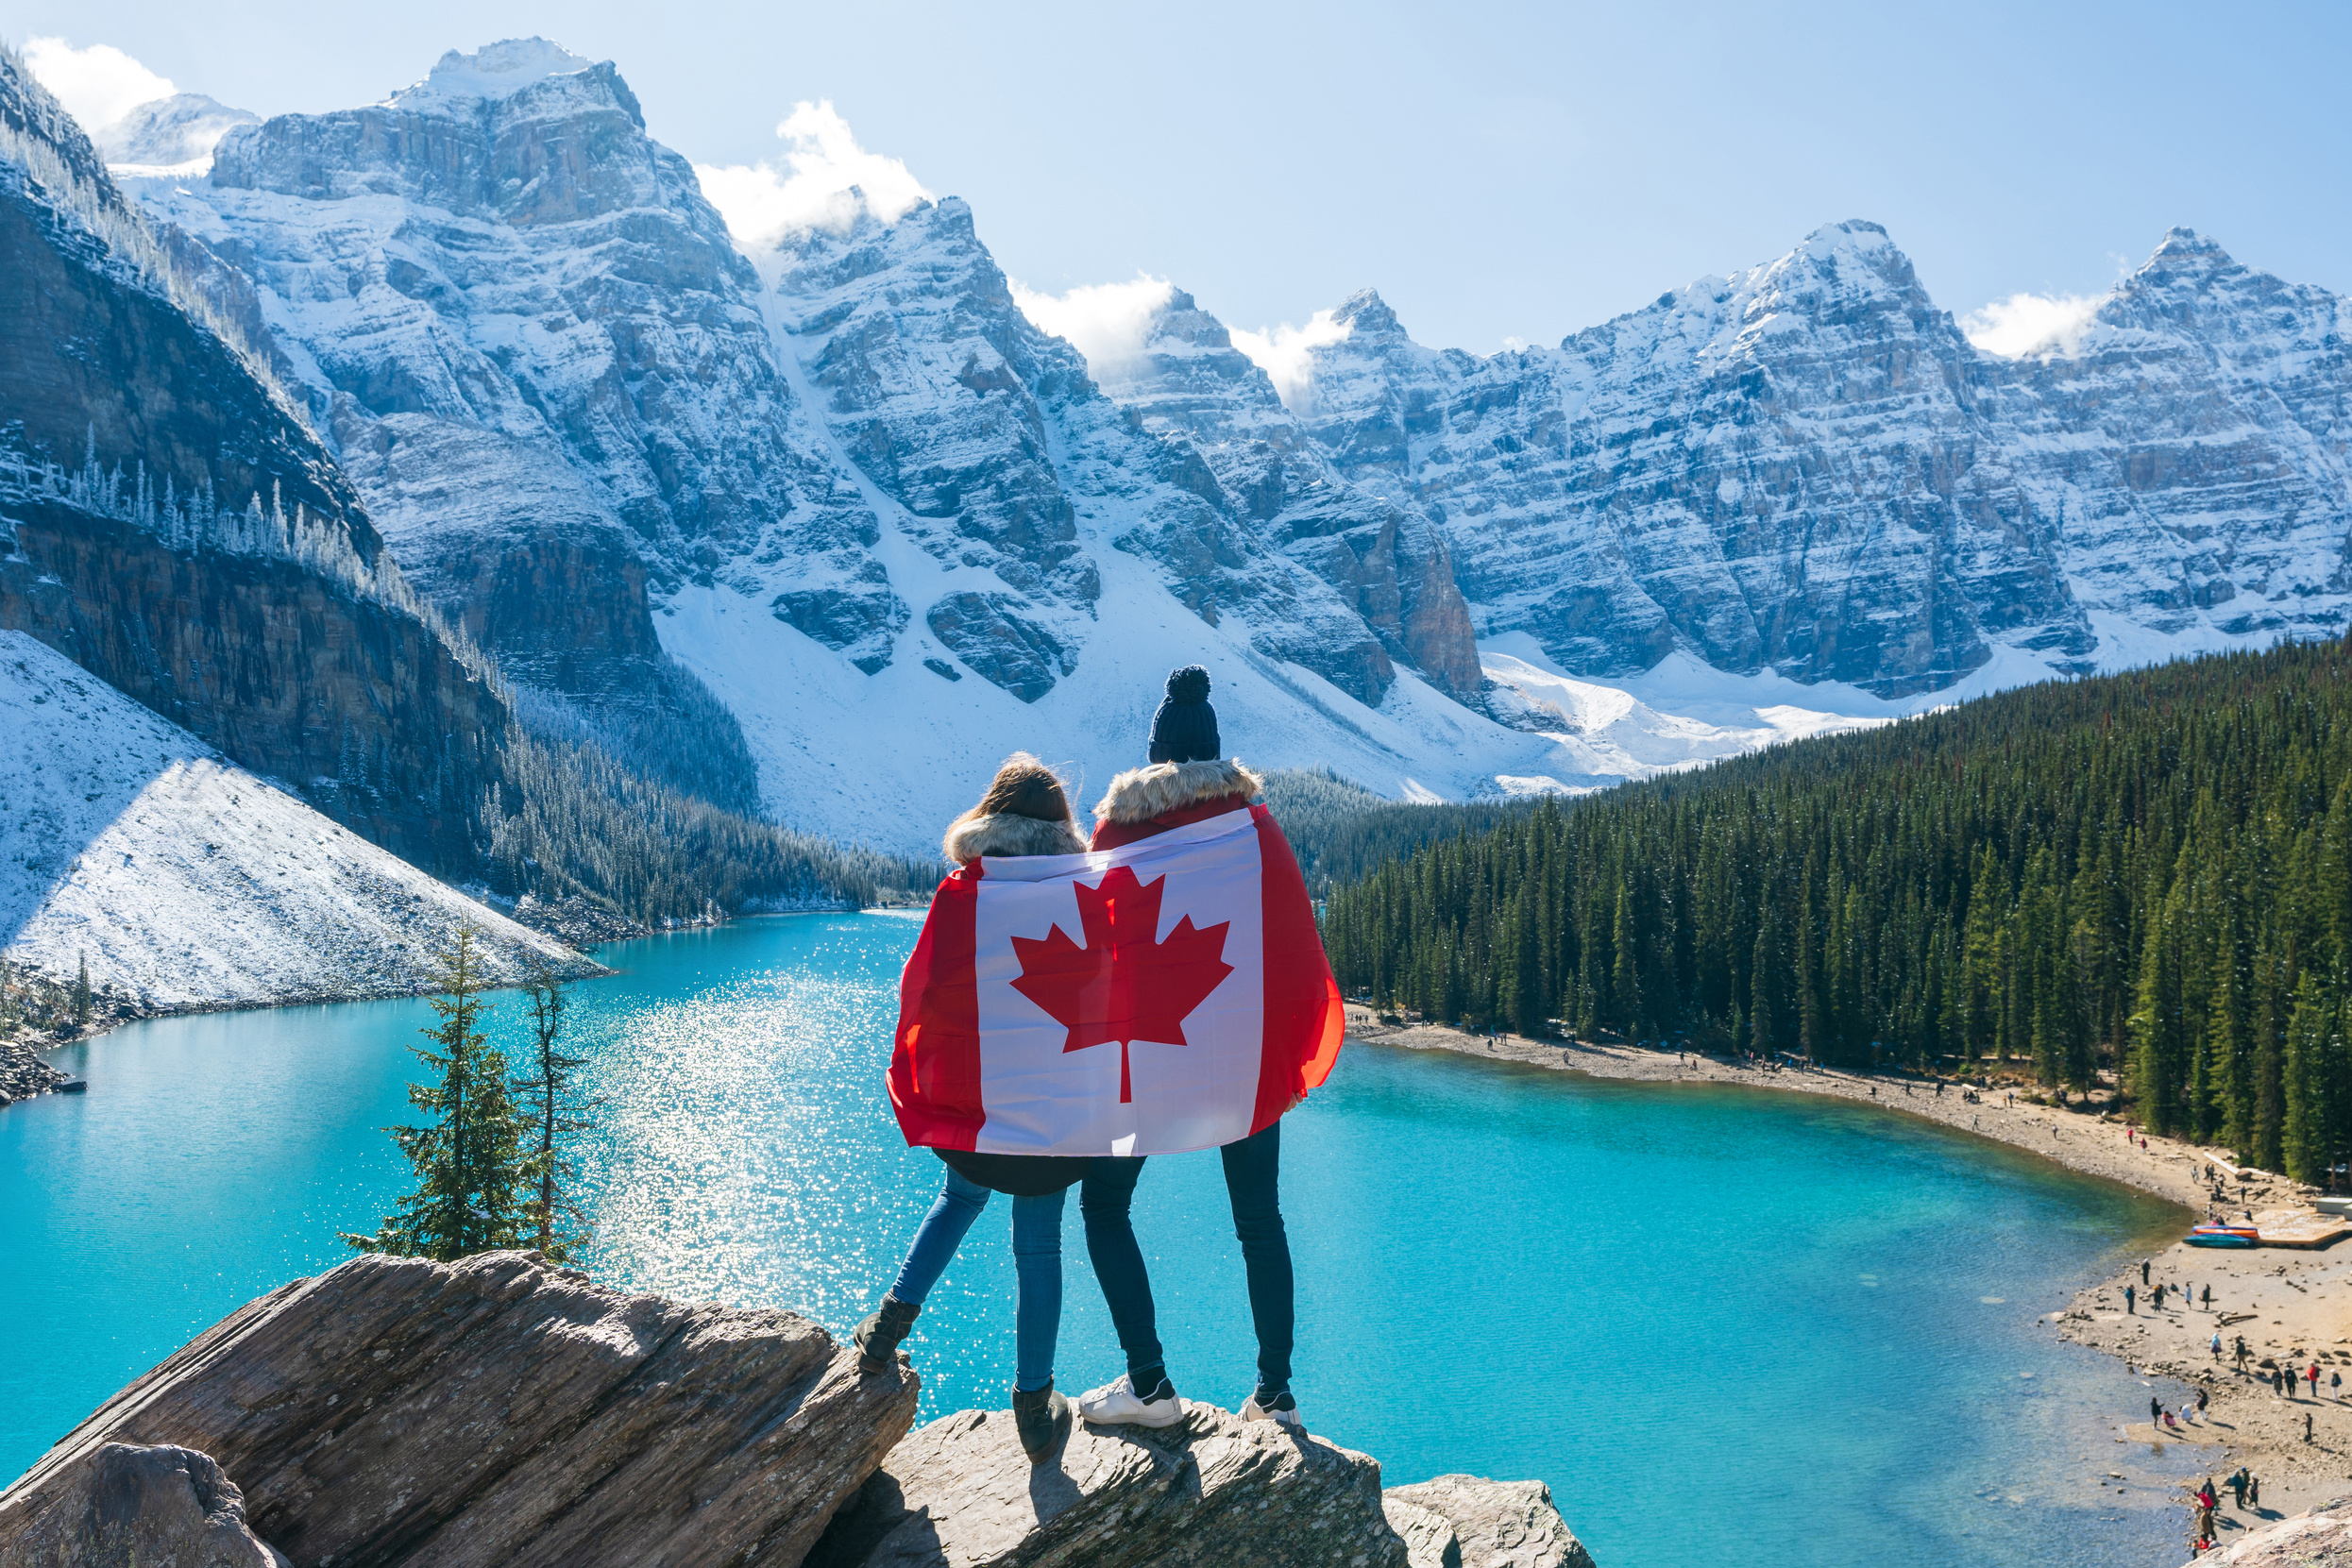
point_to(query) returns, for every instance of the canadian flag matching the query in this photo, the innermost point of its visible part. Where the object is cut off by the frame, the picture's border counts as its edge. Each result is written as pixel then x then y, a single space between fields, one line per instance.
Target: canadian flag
pixel 1168 995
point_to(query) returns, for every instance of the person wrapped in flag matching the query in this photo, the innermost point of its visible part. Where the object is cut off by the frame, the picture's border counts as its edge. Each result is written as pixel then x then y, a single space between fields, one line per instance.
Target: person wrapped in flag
pixel 1165 991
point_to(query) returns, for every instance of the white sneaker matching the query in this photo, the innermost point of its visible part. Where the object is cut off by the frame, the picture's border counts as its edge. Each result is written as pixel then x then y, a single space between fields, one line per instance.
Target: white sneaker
pixel 1116 1404
pixel 1284 1409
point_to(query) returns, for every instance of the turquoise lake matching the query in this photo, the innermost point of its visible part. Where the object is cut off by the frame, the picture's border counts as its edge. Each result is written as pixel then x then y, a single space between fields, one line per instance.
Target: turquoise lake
pixel 1721 1324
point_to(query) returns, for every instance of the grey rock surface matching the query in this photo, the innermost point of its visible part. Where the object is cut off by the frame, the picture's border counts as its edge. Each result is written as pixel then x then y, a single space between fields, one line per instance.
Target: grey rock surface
pixel 1215 1490
pixel 1469 1521
pixel 119 1506
pixel 500 1412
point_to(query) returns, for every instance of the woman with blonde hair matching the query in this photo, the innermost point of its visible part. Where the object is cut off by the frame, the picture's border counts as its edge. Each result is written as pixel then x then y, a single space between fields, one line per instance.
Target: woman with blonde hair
pixel 1025 812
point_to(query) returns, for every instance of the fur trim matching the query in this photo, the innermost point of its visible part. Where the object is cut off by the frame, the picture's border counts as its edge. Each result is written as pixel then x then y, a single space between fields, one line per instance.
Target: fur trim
pixel 1140 794
pixel 1006 835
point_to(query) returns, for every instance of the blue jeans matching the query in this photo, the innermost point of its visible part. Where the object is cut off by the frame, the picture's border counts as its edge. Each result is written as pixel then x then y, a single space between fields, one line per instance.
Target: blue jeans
pixel 1036 1263
pixel 1253 1169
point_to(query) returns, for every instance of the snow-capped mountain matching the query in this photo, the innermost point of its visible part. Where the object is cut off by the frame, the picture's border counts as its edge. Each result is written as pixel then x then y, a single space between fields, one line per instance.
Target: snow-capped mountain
pixel 839 479
pixel 1807 468
pixel 538 354
pixel 585 423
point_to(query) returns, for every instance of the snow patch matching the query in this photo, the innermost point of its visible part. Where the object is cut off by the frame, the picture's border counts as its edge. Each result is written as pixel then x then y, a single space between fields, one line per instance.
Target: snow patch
pixel 185 881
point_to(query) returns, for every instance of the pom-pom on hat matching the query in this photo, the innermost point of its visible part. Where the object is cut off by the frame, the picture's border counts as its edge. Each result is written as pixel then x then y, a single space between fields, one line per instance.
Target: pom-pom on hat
pixel 1185 728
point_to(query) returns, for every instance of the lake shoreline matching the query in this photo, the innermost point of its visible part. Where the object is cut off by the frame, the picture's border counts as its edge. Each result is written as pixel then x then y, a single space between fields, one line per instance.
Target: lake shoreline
pixel 2281 1300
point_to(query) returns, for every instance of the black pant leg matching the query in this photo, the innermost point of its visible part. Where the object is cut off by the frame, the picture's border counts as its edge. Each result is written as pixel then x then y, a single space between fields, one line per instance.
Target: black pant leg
pixel 1253 1171
pixel 1105 1200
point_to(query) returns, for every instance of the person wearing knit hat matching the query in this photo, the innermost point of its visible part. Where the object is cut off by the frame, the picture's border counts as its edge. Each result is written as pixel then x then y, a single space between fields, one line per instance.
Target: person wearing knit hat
pixel 1185 728
pixel 1189 781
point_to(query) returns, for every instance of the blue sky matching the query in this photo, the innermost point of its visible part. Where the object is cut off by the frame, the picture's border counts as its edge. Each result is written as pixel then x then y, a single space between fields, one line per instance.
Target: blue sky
pixel 1497 171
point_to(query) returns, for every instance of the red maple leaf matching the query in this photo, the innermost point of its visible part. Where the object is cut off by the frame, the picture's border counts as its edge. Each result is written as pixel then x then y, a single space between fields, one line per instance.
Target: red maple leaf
pixel 1125 984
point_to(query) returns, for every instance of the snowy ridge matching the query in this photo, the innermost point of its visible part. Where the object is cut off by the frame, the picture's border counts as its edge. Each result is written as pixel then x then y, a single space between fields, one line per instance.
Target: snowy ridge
pixel 1806 468
pixel 185 881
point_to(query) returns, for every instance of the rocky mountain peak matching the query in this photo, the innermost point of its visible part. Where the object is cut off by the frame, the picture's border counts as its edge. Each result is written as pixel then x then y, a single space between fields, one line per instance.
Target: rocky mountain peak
pixel 175 134
pixel 515 139
pixel 493 72
pixel 1365 315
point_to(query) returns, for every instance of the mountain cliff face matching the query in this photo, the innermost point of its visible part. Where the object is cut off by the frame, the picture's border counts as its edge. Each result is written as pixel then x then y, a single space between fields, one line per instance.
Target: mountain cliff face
pixel 1388 561
pixel 169 525
pixel 538 354
pixel 1806 468
pixel 568 399
pixel 1007 459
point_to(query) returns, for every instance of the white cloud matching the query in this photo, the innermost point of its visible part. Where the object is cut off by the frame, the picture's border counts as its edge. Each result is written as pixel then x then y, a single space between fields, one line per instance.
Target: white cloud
pixel 1286 354
pixel 2027 324
pixel 97 85
pixel 824 179
pixel 1104 321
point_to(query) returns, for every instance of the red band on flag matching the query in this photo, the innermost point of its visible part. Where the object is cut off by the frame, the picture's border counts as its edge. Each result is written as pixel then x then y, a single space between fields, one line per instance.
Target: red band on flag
pixel 1305 1018
pixel 935 1064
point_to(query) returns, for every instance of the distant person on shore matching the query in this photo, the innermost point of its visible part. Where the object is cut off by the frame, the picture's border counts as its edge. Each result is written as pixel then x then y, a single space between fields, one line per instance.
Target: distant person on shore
pixel 2203 1400
pixel 1025 812
pixel 2314 1376
pixel 2131 1299
pixel 2155 1409
pixel 2216 1346
pixel 2254 1489
pixel 2238 1488
pixel 2208 1298
pixel 2335 1386
pixel 2158 1299
pixel 2144 1272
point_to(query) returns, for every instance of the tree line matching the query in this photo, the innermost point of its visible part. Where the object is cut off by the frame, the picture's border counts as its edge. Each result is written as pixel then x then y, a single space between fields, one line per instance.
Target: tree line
pixel 2145 876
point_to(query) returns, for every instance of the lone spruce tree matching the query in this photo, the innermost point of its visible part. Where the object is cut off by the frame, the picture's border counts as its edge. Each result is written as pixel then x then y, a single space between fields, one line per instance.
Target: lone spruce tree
pixel 553 1220
pixel 470 1157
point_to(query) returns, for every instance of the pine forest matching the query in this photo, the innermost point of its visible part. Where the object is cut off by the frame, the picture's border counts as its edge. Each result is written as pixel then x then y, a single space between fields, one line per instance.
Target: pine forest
pixel 2138 882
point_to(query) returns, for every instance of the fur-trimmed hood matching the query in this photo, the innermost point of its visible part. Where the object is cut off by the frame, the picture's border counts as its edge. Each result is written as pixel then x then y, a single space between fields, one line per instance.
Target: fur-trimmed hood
pixel 1005 833
pixel 1140 794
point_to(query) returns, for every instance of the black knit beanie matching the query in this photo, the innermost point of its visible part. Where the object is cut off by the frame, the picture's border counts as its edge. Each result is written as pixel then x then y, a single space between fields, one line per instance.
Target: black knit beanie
pixel 1185 728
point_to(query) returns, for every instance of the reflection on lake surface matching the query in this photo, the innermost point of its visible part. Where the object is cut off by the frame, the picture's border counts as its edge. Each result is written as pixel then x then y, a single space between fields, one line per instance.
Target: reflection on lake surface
pixel 1720 1325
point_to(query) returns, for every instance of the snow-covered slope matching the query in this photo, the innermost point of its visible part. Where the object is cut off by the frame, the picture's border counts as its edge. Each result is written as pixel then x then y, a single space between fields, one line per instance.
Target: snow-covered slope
pixel 182 879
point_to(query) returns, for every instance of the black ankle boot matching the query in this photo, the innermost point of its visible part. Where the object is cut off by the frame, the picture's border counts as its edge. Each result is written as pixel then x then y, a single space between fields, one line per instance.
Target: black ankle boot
pixel 1042 1417
pixel 878 1335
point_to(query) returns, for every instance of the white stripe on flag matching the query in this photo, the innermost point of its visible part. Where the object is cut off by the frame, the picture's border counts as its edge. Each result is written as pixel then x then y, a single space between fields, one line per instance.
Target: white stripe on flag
pixel 1042 1100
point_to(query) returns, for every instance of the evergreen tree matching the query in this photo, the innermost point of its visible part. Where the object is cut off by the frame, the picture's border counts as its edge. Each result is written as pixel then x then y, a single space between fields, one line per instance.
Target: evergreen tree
pixel 81 994
pixel 469 1158
pixel 553 1222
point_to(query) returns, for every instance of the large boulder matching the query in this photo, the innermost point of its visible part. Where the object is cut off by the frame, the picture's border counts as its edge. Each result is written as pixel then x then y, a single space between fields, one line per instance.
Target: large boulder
pixel 117 1506
pixel 1218 1489
pixel 501 1411
pixel 1469 1521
